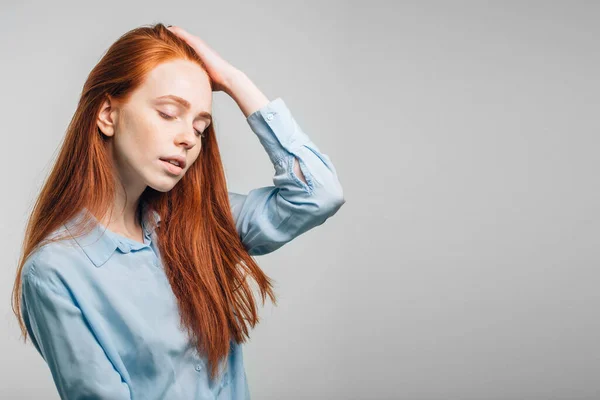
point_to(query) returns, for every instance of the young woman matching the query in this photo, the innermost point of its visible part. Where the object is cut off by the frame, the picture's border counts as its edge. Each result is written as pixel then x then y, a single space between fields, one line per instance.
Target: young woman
pixel 134 281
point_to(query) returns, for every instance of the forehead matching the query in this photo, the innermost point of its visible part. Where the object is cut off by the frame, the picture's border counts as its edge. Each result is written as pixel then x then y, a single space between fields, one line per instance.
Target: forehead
pixel 181 78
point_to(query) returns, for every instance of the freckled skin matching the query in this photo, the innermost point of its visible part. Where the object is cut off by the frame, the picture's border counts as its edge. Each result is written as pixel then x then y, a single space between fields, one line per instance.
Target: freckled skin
pixel 141 136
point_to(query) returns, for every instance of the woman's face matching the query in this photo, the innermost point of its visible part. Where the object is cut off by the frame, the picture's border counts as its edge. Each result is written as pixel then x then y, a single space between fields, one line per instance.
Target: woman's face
pixel 153 126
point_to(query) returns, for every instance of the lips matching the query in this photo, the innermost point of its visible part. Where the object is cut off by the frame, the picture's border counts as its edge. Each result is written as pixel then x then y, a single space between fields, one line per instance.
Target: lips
pixel 172 168
pixel 179 160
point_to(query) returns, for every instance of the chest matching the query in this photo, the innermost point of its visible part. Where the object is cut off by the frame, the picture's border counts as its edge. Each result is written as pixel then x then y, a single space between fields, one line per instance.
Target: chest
pixel 130 299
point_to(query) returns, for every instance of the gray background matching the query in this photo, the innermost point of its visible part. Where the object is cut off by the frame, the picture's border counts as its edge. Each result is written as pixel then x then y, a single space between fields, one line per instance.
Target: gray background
pixel 464 264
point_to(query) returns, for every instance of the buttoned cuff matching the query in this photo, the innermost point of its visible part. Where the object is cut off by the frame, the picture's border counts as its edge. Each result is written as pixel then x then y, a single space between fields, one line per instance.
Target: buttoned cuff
pixel 277 130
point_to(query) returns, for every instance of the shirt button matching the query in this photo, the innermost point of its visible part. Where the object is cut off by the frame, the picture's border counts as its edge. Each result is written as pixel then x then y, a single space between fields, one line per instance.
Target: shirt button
pixel 269 116
pixel 198 367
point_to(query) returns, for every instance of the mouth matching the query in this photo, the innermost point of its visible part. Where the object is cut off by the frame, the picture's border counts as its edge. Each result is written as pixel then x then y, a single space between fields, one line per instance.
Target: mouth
pixel 172 166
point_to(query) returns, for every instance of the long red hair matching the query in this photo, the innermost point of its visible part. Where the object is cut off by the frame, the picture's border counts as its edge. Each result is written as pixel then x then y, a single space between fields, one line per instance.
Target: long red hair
pixel 203 256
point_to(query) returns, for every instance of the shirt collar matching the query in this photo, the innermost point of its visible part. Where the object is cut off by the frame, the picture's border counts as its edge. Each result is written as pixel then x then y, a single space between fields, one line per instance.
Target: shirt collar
pixel 100 243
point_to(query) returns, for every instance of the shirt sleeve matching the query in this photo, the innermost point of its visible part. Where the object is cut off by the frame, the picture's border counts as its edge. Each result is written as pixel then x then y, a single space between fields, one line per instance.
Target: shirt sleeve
pixel 59 332
pixel 268 217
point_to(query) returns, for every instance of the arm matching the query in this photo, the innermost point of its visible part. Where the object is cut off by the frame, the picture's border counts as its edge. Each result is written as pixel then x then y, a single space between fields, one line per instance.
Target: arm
pixel 59 332
pixel 306 189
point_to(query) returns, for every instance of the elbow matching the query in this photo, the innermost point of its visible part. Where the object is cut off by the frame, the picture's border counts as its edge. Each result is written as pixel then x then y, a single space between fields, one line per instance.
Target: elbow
pixel 330 202
pixel 337 200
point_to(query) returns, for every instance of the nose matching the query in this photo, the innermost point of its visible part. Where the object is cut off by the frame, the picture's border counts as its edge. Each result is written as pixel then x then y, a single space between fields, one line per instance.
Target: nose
pixel 187 138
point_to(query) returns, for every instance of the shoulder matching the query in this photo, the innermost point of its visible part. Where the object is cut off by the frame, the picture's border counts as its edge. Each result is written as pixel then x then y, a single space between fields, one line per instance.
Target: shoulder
pixel 51 262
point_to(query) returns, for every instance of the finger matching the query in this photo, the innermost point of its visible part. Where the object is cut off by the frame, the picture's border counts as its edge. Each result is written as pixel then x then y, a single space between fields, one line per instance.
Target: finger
pixel 192 40
pixel 180 31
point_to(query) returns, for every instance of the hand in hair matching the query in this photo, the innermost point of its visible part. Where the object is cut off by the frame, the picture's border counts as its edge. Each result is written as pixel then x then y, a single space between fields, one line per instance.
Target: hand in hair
pixel 220 71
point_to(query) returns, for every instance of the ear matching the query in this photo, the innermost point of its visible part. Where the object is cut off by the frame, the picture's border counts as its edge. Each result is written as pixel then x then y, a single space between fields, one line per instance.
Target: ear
pixel 107 117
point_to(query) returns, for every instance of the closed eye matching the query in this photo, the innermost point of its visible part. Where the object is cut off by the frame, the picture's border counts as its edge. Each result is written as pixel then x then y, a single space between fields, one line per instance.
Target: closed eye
pixel 170 117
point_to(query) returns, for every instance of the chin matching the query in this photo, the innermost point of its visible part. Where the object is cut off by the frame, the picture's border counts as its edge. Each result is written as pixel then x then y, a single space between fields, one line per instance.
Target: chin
pixel 163 186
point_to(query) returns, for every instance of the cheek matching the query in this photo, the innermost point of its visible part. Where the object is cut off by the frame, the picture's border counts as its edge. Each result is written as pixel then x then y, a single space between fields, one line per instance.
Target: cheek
pixel 194 158
pixel 126 153
pixel 137 146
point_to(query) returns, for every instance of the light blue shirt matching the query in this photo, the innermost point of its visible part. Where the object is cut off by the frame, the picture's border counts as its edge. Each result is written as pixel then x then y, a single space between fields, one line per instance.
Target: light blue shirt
pixel 100 311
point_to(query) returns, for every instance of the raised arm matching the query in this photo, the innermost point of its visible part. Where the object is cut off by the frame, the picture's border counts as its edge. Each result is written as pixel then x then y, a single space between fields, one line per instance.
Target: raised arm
pixel 271 216
pixel 305 194
pixel 79 366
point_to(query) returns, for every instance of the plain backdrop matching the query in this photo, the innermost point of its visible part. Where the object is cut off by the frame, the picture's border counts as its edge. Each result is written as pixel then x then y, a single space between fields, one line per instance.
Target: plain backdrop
pixel 464 264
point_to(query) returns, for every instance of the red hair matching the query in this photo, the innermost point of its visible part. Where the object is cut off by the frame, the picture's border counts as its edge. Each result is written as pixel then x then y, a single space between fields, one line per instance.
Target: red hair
pixel 203 256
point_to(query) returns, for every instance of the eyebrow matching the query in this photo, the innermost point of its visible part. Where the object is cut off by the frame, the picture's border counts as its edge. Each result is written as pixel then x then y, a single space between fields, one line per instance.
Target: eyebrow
pixel 187 105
